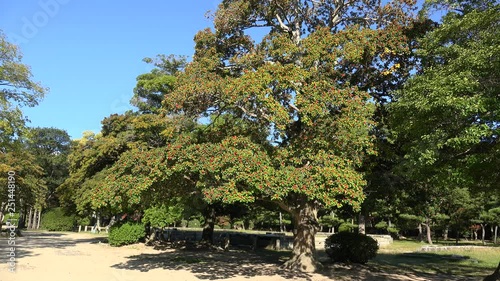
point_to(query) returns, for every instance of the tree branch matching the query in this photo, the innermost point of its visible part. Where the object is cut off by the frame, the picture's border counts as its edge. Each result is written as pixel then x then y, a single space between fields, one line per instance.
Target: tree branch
pixel 282 25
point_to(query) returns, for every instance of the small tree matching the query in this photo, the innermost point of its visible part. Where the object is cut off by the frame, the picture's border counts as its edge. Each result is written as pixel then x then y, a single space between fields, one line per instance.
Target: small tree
pixel 161 217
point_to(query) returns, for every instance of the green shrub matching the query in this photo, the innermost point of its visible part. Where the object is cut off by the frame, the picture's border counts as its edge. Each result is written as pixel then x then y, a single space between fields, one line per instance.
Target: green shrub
pixel 351 247
pixel 393 231
pixel 184 223
pixel 347 227
pixel 381 225
pixel 126 233
pixel 57 220
pixel 162 216
pixel 83 221
pixel 194 223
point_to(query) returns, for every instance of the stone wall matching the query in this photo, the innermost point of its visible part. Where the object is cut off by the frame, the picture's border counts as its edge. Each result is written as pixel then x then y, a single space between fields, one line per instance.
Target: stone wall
pixel 278 241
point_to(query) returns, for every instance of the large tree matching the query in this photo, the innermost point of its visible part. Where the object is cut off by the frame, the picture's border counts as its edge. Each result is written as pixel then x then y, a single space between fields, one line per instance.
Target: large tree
pixel 303 93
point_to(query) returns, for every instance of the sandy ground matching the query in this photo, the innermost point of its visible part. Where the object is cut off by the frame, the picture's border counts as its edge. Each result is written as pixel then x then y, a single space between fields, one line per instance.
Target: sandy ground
pixel 78 257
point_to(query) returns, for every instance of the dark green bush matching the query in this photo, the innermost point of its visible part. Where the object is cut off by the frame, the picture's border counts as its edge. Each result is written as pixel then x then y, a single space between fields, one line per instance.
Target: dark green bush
pixel 126 233
pixel 83 221
pixel 351 247
pixel 194 223
pixel 57 220
pixel 347 227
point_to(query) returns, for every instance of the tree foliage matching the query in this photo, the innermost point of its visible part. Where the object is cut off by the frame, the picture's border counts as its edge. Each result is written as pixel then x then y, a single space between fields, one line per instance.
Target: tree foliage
pixel 17 89
pixel 50 147
pixel 151 87
pixel 447 115
pixel 290 113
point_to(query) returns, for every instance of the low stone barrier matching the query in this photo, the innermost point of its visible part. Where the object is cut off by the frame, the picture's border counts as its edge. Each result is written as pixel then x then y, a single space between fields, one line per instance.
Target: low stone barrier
pixel 382 240
pixel 93 229
pixel 435 248
pixel 277 241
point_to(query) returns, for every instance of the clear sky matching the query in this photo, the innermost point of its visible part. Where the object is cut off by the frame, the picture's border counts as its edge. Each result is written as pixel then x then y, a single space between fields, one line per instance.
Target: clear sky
pixel 90 52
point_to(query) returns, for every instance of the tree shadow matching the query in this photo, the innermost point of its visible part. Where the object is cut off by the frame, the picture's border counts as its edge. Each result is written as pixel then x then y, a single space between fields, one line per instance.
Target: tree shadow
pixel 25 244
pixel 212 265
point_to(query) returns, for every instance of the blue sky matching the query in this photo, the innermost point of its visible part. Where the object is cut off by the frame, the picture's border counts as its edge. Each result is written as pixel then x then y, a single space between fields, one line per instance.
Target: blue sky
pixel 89 53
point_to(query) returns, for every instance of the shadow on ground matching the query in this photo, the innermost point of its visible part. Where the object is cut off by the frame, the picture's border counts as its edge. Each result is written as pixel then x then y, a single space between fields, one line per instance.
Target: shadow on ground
pixel 25 244
pixel 211 265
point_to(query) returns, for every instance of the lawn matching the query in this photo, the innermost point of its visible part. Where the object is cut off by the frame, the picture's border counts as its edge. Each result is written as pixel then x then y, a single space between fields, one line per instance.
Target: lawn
pixel 407 256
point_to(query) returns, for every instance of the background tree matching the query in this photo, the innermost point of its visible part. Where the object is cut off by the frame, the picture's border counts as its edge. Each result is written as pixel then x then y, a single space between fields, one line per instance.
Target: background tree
pixel 51 147
pixel 17 89
pixel 151 87
pixel 447 115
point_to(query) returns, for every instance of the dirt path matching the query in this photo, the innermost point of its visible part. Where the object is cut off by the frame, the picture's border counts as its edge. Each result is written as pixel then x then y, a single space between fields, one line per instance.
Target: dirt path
pixel 78 257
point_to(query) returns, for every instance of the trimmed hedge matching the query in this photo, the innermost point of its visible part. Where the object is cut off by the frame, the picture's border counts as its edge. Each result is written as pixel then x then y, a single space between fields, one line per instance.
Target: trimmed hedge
pixel 351 247
pixel 57 220
pixel 126 233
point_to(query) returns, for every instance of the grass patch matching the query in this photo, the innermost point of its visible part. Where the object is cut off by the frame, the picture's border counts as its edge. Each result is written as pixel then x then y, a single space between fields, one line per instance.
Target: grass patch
pixel 404 256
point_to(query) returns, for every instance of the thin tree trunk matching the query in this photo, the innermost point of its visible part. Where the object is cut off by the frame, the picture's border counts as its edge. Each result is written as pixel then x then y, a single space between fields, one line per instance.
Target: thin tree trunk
pixel 496 234
pixel 304 247
pixel 445 233
pixel 362 224
pixel 207 235
pixel 1 214
pixel 30 217
pixel 483 233
pixel 420 233
pixel 281 223
pixel 427 225
pixel 35 214
pixel 39 218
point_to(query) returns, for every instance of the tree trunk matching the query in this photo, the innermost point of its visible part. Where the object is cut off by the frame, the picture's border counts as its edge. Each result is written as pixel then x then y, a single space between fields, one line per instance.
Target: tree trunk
pixel 496 234
pixel 207 235
pixel 35 214
pixel 30 218
pixel 420 233
pixel 281 223
pixel 98 223
pixel 445 233
pixel 39 218
pixel 304 247
pixel 483 233
pixel 362 224
pixel 428 232
pixel 1 212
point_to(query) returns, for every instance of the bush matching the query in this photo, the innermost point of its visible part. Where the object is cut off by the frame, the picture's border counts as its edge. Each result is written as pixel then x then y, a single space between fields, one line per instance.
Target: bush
pixel 347 227
pixel 57 220
pixel 126 233
pixel 194 223
pixel 83 221
pixel 351 247
pixel 184 223
pixel 162 216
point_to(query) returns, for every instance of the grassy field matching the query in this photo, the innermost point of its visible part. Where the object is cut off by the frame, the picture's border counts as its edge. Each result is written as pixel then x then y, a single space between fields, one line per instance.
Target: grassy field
pixel 406 256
